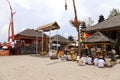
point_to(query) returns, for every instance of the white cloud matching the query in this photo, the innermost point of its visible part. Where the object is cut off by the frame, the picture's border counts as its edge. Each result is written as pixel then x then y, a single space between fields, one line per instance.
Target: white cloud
pixel 23 3
pixel 4 29
pixel 33 13
pixel 107 6
pixel 23 29
pixel 4 32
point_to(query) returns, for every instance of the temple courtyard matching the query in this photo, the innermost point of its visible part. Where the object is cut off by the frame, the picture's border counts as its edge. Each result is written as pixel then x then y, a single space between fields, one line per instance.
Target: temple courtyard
pixel 36 67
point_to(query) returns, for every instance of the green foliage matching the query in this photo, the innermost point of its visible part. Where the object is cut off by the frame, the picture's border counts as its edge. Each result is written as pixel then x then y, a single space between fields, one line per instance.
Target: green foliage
pixel 70 38
pixel 101 18
pixel 114 12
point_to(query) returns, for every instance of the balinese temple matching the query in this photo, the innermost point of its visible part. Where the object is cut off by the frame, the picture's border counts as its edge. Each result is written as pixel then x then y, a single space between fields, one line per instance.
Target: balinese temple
pixel 29 41
pixel 60 40
pixel 110 28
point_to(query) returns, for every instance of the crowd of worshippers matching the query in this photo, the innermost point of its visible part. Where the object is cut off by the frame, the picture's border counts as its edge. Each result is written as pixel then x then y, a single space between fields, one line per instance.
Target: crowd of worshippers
pixel 98 60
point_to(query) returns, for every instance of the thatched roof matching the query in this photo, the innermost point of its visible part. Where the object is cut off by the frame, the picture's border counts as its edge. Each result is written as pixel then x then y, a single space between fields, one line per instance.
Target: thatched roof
pixel 48 27
pixel 30 33
pixel 110 23
pixel 98 37
pixel 61 39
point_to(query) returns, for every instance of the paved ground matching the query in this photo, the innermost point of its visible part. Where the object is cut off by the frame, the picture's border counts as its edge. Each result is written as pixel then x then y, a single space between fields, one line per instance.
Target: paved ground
pixel 34 67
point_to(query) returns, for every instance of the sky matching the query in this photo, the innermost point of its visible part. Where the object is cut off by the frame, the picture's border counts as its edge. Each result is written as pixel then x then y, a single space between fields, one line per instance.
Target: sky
pixel 34 13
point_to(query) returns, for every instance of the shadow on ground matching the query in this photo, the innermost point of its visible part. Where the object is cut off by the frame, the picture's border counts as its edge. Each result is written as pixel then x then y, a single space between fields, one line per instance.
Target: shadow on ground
pixel 38 56
pixel 56 62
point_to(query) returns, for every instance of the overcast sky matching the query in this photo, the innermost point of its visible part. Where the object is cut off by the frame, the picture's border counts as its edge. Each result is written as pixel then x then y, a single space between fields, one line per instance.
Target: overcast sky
pixel 34 13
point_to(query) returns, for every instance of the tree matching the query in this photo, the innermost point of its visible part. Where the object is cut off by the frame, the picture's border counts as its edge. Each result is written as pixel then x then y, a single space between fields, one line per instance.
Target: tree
pixel 89 22
pixel 70 38
pixel 101 18
pixel 83 24
pixel 114 12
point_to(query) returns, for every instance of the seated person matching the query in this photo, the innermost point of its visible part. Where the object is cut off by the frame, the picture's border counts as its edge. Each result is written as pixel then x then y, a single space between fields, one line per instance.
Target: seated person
pixel 108 62
pixel 74 56
pixel 50 53
pixel 78 58
pixel 95 61
pixel 68 58
pixel 101 62
pixel 84 59
pixel 89 60
pixel 63 57
pixel 80 62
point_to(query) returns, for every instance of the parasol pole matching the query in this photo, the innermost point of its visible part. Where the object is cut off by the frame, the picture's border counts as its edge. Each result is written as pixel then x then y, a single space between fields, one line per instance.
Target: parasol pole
pixel 57 40
pixel 49 39
pixel 42 40
pixel 36 42
pixel 76 23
